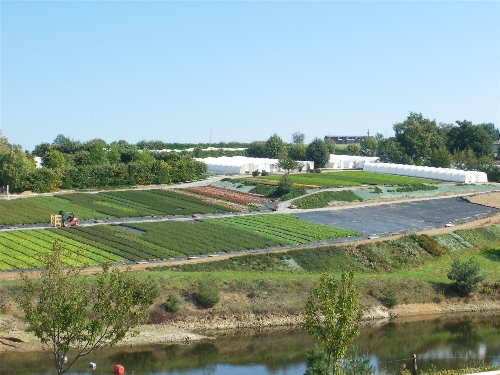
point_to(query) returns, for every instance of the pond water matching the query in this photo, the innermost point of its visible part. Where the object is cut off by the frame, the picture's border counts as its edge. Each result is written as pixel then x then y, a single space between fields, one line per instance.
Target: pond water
pixel 441 342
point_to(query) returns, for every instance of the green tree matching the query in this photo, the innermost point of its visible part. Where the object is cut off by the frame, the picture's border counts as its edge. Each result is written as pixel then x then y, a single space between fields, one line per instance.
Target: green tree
pixel 440 158
pixel 491 130
pixel 418 136
pixel 53 159
pixel 66 145
pixel 317 151
pixel 298 138
pixel 275 147
pixel 114 155
pixel 465 275
pixel 285 185
pixel 143 157
pixel 98 155
pixel 41 149
pixel 257 150
pixel 369 146
pixel 68 312
pixel 330 145
pixel 297 151
pixel 353 150
pixel 333 316
pixel 288 164
pixel 467 136
pixel 15 167
pixel 390 151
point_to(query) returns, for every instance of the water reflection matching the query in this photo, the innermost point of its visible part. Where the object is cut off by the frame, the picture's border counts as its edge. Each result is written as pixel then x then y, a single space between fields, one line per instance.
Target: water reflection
pixel 445 343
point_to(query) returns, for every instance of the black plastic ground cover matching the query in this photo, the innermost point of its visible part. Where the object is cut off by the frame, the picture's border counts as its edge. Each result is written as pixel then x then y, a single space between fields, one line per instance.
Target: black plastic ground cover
pixel 399 218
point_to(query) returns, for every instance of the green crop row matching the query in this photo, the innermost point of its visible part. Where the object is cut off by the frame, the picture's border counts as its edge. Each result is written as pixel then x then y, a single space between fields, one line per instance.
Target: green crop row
pixel 324 198
pixel 286 229
pixel 103 205
pixel 352 178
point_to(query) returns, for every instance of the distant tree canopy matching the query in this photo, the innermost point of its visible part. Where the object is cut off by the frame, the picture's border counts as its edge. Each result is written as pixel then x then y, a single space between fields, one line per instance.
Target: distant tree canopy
pixel 462 145
pixel 317 151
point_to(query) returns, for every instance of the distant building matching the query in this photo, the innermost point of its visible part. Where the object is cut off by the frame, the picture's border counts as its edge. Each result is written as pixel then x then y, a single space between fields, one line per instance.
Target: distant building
pixel 344 139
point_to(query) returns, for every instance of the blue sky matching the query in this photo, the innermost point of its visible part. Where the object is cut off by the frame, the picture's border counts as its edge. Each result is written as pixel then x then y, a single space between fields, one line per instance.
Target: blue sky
pixel 185 71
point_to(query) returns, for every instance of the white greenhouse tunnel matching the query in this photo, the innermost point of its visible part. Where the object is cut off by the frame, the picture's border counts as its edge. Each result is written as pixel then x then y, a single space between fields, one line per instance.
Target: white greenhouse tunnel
pixel 349 161
pixel 245 165
pixel 443 174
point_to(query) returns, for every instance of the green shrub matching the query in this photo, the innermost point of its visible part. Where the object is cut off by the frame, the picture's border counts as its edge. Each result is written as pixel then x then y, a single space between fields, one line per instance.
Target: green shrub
pixel 414 187
pixel 294 193
pixel 171 304
pixel 264 173
pixel 465 276
pixel 390 299
pixel 208 292
pixel 255 173
pixel 376 190
pixel 432 246
pixel 323 199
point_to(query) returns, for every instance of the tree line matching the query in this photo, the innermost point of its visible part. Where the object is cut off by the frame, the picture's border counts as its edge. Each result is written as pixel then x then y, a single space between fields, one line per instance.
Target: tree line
pixel 70 164
pixel 416 141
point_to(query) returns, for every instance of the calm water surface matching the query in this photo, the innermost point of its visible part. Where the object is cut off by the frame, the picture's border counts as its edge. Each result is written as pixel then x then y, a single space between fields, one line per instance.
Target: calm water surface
pixel 444 343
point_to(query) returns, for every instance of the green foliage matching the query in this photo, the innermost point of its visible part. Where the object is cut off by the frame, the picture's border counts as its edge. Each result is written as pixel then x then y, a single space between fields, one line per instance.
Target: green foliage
pixel 288 164
pixel 333 315
pixel 432 246
pixel 415 187
pixel 255 173
pixel 317 151
pixel 324 198
pixel 67 312
pixel 208 292
pixel 285 229
pixel 376 190
pixel 418 137
pixel 285 185
pixel 275 147
pixel 298 138
pixel 468 136
pixel 172 303
pixel 480 236
pixel 465 275
pixel 317 362
pixel 354 364
pixel 266 190
pixel 354 178
pixel 390 298
pixel 294 193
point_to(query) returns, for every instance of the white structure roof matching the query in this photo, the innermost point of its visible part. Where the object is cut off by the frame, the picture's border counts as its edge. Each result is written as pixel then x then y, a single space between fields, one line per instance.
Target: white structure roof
pixel 444 174
pixel 243 164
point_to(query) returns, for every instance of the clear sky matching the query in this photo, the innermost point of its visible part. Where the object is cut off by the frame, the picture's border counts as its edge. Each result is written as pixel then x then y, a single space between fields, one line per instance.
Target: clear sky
pixel 187 71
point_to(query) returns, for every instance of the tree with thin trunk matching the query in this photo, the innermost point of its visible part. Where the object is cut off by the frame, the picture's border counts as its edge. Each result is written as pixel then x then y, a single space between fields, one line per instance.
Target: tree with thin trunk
pixel 333 316
pixel 69 312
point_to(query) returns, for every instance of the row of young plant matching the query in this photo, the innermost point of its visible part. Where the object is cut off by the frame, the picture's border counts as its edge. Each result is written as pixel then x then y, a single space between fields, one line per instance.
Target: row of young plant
pixel 111 204
pixel 286 229
pixel 384 256
pixel 22 249
pixel 352 178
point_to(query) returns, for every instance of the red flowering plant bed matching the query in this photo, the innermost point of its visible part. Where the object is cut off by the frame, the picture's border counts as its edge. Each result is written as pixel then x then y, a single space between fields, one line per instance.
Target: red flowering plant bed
pixel 229 195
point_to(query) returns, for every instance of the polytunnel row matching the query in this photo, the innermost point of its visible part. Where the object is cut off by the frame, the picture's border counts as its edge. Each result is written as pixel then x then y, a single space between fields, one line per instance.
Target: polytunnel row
pixel 349 161
pixel 444 174
pixel 243 164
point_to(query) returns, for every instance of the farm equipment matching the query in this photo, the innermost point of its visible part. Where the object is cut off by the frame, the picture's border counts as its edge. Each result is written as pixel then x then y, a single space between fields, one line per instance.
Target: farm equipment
pixel 273 208
pixel 64 219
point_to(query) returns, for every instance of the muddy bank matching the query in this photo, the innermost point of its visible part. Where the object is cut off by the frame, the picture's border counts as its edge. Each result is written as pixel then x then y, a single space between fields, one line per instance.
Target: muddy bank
pixel 14 337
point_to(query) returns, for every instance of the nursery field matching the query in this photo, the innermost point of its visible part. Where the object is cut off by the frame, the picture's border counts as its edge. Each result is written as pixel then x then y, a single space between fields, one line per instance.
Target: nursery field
pixel 353 178
pixel 86 206
pixel 286 229
pixel 93 245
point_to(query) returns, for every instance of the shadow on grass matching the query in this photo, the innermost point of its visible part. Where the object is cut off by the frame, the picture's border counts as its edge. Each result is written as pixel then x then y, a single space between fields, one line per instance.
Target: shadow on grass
pixel 492 254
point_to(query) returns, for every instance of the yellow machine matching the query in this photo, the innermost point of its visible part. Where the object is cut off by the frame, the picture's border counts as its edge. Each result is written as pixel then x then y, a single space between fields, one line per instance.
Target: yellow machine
pixel 64 219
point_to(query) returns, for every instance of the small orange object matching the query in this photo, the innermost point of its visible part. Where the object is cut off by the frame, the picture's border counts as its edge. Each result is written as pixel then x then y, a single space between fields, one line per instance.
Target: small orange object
pixel 119 369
